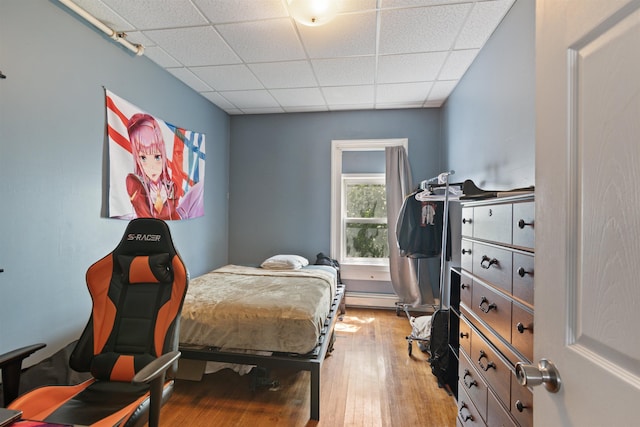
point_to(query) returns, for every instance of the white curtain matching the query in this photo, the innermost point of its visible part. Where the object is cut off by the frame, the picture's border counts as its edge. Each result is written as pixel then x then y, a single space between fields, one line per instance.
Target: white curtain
pixel 398 183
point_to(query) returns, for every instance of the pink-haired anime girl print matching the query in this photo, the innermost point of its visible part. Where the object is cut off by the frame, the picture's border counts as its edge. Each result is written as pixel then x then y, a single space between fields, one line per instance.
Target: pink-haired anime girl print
pixel 152 192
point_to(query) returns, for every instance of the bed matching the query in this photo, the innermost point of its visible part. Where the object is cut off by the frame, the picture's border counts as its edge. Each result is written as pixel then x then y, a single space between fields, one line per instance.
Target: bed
pixel 269 318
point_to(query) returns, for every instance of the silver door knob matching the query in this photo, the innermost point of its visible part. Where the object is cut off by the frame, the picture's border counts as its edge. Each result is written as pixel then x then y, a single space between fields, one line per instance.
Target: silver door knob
pixel 545 373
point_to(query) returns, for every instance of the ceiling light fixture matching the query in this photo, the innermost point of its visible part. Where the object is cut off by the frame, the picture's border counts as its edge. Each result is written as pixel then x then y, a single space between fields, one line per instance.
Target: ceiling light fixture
pixel 313 12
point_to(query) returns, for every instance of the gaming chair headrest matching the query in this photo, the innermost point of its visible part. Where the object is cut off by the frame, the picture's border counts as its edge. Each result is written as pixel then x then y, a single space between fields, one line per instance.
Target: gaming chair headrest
pixel 146 236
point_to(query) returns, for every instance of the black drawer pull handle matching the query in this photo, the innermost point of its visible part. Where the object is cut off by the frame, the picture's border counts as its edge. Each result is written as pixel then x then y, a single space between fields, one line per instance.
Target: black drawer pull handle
pixel 520 406
pixel 489 365
pixel 466 251
pixel 485 306
pixel 464 379
pixel 466 221
pixel 522 272
pixel 464 335
pixel 489 261
pixel 465 286
pixel 465 418
pixel 523 224
pixel 522 328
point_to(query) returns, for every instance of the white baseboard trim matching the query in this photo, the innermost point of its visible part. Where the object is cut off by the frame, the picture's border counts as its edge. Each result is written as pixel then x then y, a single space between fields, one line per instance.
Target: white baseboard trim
pixel 375 300
pixel 370 300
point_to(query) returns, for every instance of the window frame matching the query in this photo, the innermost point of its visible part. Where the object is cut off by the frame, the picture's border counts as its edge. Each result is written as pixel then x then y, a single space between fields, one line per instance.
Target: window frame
pixel 351 270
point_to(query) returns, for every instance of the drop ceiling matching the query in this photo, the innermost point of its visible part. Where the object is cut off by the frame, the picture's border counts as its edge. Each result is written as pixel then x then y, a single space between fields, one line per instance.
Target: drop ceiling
pixel 251 57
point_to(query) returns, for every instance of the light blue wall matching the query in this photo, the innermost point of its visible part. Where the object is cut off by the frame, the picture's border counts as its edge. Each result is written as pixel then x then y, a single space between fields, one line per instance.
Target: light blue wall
pixel 53 166
pixel 276 170
pixel 280 174
pixel 489 120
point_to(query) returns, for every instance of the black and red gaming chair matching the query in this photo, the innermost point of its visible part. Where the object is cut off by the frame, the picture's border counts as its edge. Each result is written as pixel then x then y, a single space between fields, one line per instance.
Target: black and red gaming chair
pixel 130 342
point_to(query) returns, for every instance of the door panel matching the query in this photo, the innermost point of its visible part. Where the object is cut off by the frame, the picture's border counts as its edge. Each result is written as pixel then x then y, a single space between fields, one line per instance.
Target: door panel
pixel 588 209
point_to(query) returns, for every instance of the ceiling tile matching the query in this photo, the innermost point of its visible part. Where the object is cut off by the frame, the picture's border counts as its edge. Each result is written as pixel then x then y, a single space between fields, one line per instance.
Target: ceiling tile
pixel 263 110
pixel 346 35
pixel 481 23
pixel 263 41
pixel 190 79
pixel 441 90
pixel 457 64
pixel 284 74
pixel 137 37
pixel 305 109
pixel 299 97
pixel 345 71
pixel 105 14
pixel 413 3
pixel 421 29
pixel 160 57
pixel 218 99
pixel 228 77
pixel 413 67
pixel 415 93
pixel 147 14
pixel 349 95
pixel 245 99
pixel 194 46
pixel 221 11
pixel 251 57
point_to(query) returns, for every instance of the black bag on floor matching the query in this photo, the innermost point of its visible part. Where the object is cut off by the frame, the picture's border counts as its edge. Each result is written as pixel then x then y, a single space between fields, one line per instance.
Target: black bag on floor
pixel 439 345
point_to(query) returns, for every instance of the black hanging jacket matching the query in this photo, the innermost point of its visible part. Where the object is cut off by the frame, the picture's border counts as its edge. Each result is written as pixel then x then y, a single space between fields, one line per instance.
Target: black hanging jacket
pixel 419 228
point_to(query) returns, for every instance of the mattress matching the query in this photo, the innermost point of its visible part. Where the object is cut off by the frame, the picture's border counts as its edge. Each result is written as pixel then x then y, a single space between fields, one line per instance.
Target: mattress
pixel 249 308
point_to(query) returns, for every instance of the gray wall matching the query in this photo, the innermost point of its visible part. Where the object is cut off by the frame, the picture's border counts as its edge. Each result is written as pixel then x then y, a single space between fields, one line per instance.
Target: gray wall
pixel 280 174
pixel 52 166
pixel 489 120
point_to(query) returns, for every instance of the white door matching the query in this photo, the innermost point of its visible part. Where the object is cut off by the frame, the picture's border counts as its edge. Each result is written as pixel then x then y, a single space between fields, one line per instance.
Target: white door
pixel 587 287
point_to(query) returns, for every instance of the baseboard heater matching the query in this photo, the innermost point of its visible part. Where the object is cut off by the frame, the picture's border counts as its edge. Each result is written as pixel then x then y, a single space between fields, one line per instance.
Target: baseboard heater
pixel 377 300
pixel 370 300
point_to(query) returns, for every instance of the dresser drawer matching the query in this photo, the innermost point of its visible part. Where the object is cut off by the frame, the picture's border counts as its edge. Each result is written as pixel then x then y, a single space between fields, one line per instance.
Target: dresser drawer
pixel 496 414
pixel 466 255
pixel 521 403
pixel 523 225
pixel 522 330
pixel 473 383
pixel 495 371
pixel 467 412
pixel 466 290
pixel 523 277
pixel 493 223
pixel 467 222
pixel 493 308
pixel 465 336
pixel 493 264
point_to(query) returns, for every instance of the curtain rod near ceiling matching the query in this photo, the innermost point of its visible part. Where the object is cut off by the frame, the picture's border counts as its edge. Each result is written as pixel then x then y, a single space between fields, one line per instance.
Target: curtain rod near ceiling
pixel 138 49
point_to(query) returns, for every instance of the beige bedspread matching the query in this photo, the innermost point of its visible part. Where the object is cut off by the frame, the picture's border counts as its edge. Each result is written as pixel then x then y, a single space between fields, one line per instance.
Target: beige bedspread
pixel 249 308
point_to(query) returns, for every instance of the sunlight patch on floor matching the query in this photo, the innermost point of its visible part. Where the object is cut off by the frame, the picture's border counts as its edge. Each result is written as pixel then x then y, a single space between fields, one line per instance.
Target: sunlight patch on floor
pixel 352 324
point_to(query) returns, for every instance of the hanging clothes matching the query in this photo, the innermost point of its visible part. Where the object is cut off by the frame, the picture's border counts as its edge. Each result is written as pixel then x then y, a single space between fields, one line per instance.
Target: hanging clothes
pixel 419 228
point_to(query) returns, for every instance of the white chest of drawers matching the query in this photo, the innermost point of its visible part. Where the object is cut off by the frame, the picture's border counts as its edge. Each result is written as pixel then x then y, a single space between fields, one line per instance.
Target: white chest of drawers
pixel 496 311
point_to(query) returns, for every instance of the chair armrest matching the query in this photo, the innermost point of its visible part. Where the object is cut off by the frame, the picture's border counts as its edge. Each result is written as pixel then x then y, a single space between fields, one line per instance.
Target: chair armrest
pixel 154 375
pixel 11 366
pixel 156 368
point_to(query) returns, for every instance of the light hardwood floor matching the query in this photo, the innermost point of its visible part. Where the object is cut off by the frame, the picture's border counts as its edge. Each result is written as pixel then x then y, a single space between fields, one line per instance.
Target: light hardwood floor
pixel 369 380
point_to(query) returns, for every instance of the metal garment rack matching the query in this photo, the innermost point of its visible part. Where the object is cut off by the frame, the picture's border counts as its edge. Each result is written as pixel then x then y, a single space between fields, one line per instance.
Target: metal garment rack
pixel 442 180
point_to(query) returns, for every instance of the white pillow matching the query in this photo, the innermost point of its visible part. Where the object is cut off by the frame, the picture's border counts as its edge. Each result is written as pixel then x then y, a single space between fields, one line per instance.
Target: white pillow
pixel 285 262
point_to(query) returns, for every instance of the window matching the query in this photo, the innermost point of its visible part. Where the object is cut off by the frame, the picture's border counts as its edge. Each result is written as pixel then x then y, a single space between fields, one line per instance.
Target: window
pixel 359 233
pixel 364 219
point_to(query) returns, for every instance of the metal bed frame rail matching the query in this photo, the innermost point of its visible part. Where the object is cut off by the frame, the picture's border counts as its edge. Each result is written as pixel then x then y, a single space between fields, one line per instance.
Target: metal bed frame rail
pixel 311 361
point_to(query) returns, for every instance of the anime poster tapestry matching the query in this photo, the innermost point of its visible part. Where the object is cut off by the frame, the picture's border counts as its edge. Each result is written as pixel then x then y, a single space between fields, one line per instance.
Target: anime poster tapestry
pixel 156 170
